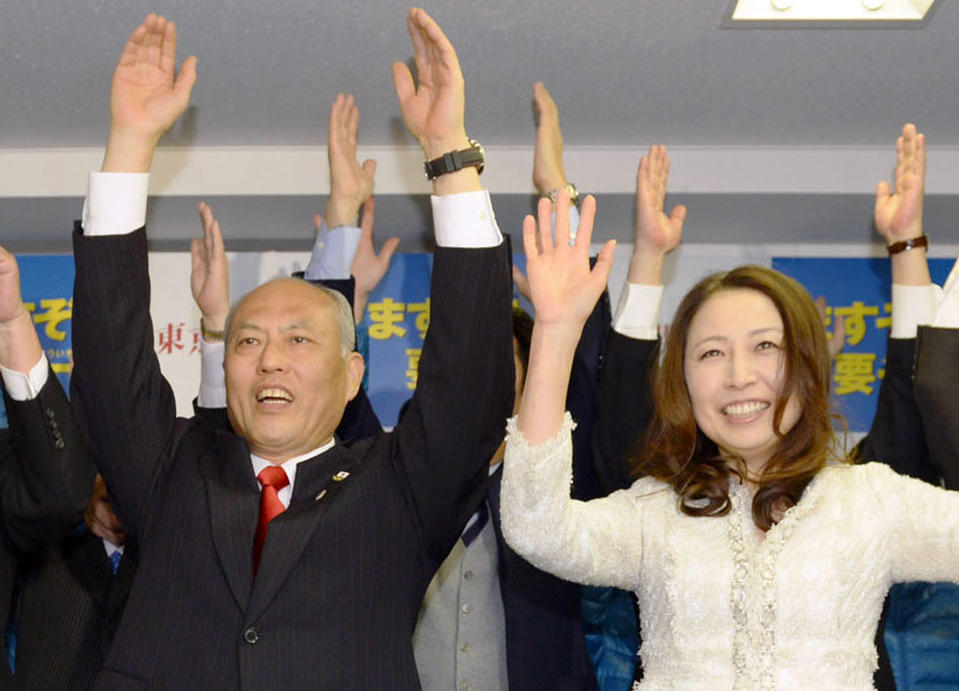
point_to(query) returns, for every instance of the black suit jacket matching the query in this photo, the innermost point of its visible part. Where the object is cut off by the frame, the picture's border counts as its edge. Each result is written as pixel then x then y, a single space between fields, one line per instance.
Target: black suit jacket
pixel 45 482
pixel 68 606
pixel 936 388
pixel 345 567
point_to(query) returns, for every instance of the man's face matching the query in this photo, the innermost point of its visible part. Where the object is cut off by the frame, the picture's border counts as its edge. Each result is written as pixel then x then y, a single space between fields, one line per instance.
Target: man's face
pixel 287 382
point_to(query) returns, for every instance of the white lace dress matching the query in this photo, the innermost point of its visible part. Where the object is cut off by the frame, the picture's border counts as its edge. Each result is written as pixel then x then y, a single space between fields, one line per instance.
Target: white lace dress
pixel 722 607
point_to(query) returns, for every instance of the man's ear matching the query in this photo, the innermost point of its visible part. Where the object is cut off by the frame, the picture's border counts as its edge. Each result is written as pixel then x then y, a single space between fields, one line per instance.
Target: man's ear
pixel 354 374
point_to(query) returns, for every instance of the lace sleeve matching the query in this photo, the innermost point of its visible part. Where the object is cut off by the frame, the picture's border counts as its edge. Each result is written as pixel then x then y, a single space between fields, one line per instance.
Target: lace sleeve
pixel 597 542
pixel 921 523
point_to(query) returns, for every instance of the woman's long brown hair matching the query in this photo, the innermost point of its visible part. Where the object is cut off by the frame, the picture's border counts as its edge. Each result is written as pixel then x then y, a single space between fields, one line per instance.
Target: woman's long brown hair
pixel 675 451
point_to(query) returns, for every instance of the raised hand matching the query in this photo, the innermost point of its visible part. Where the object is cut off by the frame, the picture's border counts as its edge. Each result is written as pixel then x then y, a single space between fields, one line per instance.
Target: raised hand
pixel 433 110
pixel 210 274
pixel 368 267
pixel 656 233
pixel 147 95
pixel 898 213
pixel 19 345
pixel 837 339
pixel 548 172
pixel 351 184
pixel 563 288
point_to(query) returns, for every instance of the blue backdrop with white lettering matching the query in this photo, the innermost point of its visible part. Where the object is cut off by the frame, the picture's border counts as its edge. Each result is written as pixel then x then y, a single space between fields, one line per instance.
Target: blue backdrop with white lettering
pixel 860 290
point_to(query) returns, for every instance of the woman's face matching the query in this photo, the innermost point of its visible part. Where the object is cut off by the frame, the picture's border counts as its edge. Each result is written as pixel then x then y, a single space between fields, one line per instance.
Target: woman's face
pixel 734 367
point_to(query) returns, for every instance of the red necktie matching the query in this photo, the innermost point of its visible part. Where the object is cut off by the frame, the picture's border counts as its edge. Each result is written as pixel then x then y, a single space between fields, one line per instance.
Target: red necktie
pixel 273 478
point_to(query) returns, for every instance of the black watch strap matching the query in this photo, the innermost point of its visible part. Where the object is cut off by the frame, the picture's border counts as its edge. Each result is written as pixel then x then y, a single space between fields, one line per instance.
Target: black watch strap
pixel 453 161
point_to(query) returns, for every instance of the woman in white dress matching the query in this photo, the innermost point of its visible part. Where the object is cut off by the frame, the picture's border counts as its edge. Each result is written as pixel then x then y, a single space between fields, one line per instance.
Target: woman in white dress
pixel 759 558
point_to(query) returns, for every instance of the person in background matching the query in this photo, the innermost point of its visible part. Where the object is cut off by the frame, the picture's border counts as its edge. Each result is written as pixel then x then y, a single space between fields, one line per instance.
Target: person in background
pixel 300 562
pixel 45 470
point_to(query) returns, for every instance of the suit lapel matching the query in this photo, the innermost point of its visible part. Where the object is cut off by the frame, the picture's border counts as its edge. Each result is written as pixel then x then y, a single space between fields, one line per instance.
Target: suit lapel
pixel 318 480
pixel 234 499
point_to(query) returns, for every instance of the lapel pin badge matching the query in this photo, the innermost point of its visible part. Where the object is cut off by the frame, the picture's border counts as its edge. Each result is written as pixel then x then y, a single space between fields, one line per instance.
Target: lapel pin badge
pixel 340 476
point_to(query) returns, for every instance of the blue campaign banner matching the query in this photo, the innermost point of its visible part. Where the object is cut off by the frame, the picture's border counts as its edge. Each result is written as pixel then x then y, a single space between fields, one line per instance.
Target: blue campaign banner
pixel 397 316
pixel 46 283
pixel 860 290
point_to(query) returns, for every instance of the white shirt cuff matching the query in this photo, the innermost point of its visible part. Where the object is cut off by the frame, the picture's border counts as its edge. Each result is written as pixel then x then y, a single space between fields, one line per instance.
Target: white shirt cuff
pixel 116 203
pixel 947 315
pixel 913 306
pixel 465 220
pixel 637 315
pixel 333 253
pixel 25 387
pixel 212 392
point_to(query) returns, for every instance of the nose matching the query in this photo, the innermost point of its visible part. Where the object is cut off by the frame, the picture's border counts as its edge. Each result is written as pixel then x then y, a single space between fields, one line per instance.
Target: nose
pixel 272 357
pixel 740 370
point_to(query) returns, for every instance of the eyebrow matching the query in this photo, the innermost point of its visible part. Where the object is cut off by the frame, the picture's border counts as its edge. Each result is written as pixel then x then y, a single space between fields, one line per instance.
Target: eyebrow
pixel 723 339
pixel 301 324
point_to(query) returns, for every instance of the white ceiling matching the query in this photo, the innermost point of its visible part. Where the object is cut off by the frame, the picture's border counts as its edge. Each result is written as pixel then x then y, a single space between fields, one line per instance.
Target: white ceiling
pixel 624 72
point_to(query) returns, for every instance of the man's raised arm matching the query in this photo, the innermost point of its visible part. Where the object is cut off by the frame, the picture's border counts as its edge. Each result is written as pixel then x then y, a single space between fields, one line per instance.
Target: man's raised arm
pixel 465 383
pixel 126 405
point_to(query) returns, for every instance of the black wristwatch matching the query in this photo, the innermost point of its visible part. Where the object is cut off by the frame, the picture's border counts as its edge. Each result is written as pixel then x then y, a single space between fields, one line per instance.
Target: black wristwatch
pixel 457 160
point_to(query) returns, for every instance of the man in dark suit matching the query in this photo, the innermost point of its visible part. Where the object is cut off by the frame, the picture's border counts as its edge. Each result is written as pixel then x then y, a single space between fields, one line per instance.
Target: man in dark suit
pixel 328 597
pixel 45 473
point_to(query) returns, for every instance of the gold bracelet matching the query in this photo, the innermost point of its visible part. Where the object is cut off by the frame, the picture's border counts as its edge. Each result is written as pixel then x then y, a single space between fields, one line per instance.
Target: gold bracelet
pixel 211 335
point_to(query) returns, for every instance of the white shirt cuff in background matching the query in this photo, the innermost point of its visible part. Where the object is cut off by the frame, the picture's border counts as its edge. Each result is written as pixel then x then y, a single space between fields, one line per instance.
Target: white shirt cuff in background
pixel 212 392
pixel 333 253
pixel 637 314
pixel 24 387
pixel 116 203
pixel 465 220
pixel 913 306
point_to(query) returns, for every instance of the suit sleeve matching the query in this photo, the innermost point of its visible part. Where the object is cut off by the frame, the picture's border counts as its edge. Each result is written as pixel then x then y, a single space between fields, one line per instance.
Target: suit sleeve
pixel 624 407
pixel 457 416
pixel 46 473
pixel 123 401
pixel 581 398
pixel 896 437
pixel 936 385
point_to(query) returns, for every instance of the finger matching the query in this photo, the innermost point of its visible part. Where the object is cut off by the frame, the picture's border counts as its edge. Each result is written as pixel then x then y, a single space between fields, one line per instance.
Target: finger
pixel 216 238
pixel 332 127
pixel 369 167
pixel 562 219
pixel 921 158
pixel 185 80
pixel 368 218
pixel 403 82
pixel 604 263
pixel 155 41
pixel 545 225
pixel 352 120
pixel 820 303
pixel 421 56
pixel 443 50
pixel 132 47
pixel 168 50
pixel 529 239
pixel 196 257
pixel 587 214
pixel 389 247
pixel 678 216
pixel 522 283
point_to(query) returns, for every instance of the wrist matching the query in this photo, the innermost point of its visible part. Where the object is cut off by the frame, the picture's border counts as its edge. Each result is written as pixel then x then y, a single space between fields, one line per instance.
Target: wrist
pixel 129 151
pixel 546 184
pixel 341 213
pixel 646 265
pixel 436 147
pixel 212 327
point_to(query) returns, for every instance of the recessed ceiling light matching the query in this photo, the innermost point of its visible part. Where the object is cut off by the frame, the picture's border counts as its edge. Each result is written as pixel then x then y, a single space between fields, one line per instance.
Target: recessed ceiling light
pixel 827 12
